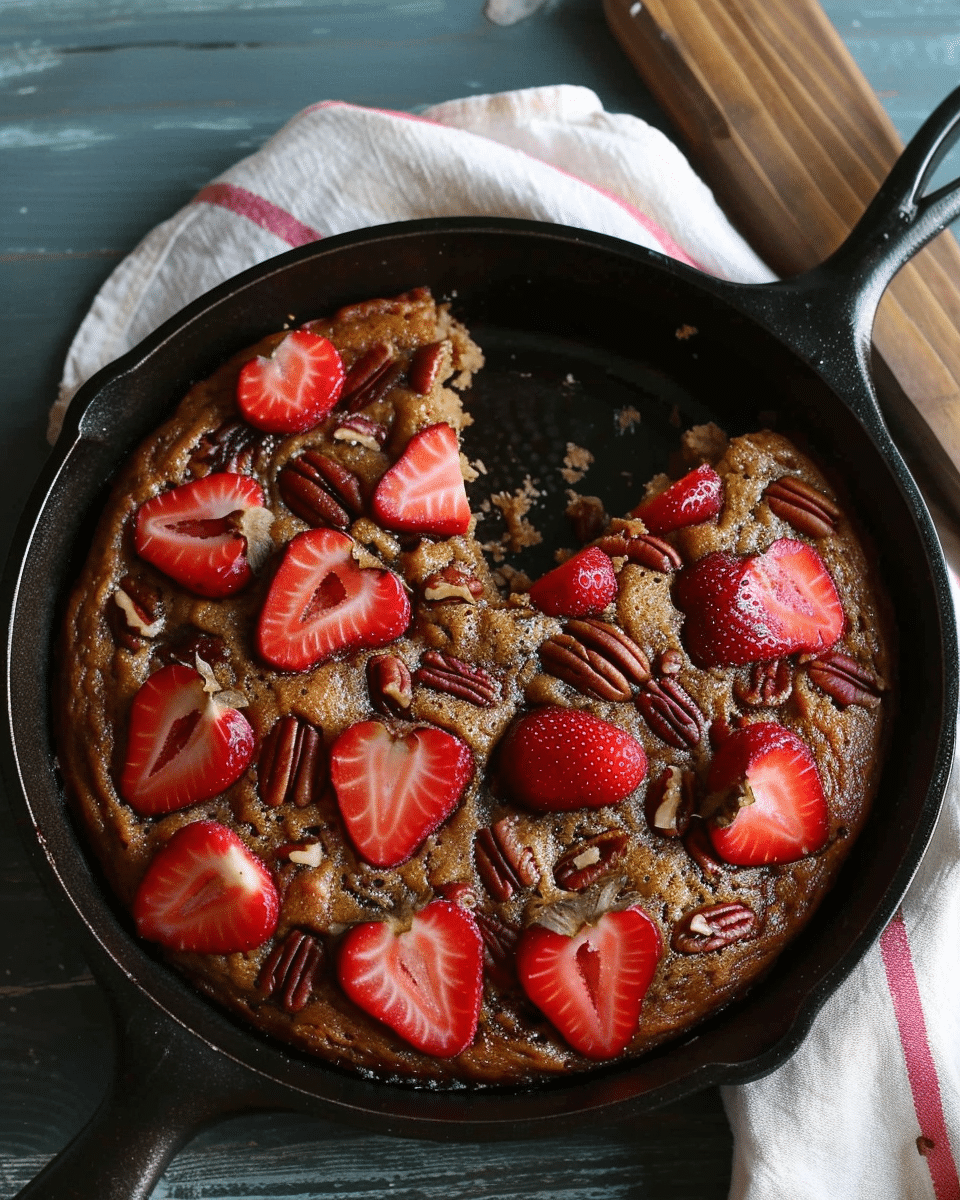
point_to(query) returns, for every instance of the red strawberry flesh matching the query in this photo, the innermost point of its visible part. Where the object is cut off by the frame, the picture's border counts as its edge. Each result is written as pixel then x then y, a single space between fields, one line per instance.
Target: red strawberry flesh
pixel 321 603
pixel 184 744
pixel 395 790
pixel 425 982
pixel 581 587
pixel 206 892
pixel 591 985
pixel 697 497
pixel 423 492
pixel 557 759
pixel 758 608
pixel 201 535
pixel 772 773
pixel 293 389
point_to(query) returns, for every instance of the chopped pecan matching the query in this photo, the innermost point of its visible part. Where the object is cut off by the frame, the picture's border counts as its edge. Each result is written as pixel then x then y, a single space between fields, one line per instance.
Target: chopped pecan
pixel 291 969
pixel 499 947
pixel 452 584
pixel 643 549
pixel 696 842
pixel 713 927
pixel 503 862
pixel 669 662
pixel 845 680
pixel 671 712
pixel 308 853
pixel 462 680
pixel 587 516
pixel 355 427
pixel 320 490
pixel 136 613
pixel 770 684
pixel 370 377
pixel 669 802
pixel 389 684
pixel 586 863
pixel 597 659
pixel 292 764
pixel 230 447
pixel 195 644
pixel 425 367
pixel 808 510
pixel 461 893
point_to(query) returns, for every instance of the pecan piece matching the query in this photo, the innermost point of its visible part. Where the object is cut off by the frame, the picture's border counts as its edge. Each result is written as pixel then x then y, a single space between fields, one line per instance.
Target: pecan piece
pixel 770 684
pixel 808 510
pixel 499 946
pixel 462 680
pixel 292 764
pixel 195 644
pixel 713 927
pixel 453 584
pixel 696 842
pixel 597 659
pixel 669 802
pixel 586 863
pixel 671 712
pixel 320 490
pixel 232 446
pixel 289 972
pixel 643 549
pixel 389 685
pixel 503 862
pixel 356 428
pixel 844 680
pixel 425 367
pixel 136 613
pixel 370 377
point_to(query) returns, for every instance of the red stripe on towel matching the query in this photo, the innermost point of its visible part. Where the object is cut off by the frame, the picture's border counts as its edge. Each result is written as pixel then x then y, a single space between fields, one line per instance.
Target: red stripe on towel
pixel 921 1069
pixel 261 212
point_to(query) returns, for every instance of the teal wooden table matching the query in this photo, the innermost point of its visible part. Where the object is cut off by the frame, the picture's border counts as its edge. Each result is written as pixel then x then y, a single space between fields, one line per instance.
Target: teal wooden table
pixel 112 115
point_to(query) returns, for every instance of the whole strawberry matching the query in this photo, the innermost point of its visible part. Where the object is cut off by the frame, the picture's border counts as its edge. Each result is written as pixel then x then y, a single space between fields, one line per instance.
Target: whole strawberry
pixel 581 587
pixel 697 497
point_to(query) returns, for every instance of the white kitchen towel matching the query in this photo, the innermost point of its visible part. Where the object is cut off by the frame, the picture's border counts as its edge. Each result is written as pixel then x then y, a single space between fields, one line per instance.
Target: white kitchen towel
pixel 867 1106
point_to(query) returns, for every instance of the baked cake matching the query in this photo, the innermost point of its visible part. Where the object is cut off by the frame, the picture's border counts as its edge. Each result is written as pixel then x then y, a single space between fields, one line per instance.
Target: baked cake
pixel 415 813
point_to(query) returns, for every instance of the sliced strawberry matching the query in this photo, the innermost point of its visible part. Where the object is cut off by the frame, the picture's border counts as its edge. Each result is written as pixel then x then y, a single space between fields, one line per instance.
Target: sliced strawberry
pixel 186 743
pixel 590 980
pixel 209 535
pixel 293 389
pixel 766 796
pixel 206 892
pixel 394 790
pixel 758 608
pixel 322 602
pixel 423 491
pixel 555 759
pixel 697 497
pixel 425 982
pixel 581 587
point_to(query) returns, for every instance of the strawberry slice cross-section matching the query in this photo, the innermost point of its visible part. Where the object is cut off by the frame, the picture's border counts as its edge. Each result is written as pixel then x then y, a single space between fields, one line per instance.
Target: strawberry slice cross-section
pixel 424 982
pixel 322 602
pixel 186 743
pixel 394 790
pixel 293 389
pixel 423 492
pixel 766 800
pixel 590 981
pixel 206 892
pixel 210 535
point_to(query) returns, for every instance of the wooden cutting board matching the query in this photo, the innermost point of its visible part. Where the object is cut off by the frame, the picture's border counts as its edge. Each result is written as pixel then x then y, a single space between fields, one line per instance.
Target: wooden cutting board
pixel 781 123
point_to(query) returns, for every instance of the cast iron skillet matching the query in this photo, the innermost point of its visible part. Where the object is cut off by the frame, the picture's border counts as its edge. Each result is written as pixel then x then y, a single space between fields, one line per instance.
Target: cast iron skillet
pixel 577 326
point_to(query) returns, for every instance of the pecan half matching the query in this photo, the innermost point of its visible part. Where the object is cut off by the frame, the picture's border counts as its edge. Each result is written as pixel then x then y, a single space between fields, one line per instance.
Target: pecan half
pixel 425 367
pixel 453 584
pixel 370 377
pixel 136 613
pixel 389 685
pixel 356 428
pixel 770 684
pixel 713 927
pixel 586 863
pixel 499 947
pixel 232 446
pixel 292 764
pixel 291 969
pixel 320 490
pixel 462 680
pixel 808 510
pixel 669 802
pixel 845 680
pixel 643 549
pixel 503 862
pixel 597 659
pixel 671 712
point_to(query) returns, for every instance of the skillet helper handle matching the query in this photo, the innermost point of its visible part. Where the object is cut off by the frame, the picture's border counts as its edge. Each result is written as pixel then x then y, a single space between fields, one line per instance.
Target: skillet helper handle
pixel 783 126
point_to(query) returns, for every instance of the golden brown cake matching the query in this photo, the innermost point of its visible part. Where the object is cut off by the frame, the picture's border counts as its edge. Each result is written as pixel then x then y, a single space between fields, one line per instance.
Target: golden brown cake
pixel 419 824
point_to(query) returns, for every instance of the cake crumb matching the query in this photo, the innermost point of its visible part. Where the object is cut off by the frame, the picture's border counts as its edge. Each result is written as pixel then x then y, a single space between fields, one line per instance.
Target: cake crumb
pixel 627 418
pixel 703 443
pixel 576 463
pixel 686 331
pixel 515 506
pixel 512 581
pixel 587 515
